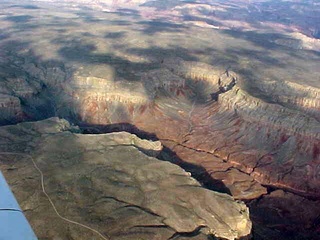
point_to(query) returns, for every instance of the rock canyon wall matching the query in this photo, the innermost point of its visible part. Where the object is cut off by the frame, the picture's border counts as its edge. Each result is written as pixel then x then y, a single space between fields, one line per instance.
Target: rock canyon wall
pixel 243 144
pixel 106 182
pixel 235 109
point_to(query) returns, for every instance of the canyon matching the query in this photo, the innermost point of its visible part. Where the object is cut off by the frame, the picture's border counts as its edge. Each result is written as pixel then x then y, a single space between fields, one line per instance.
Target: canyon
pixel 236 107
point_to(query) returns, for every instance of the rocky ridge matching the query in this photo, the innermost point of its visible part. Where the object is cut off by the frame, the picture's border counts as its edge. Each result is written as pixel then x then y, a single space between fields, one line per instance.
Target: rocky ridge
pixel 188 106
pixel 107 183
pixel 239 110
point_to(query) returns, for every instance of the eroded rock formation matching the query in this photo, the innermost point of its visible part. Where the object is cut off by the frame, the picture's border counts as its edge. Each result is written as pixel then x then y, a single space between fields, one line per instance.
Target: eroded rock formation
pixel 237 109
pixel 243 144
pixel 107 183
pixel 10 108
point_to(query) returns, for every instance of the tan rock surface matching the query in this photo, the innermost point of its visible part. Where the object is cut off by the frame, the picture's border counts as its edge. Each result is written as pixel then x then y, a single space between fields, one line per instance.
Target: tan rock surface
pixel 237 103
pixel 105 182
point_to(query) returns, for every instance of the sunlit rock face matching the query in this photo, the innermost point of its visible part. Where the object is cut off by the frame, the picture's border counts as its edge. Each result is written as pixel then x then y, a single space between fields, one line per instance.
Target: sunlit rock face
pixel 106 181
pixel 194 109
pixel 306 99
pixel 242 142
pixel 234 100
pixel 199 111
pixel 98 100
pixel 290 141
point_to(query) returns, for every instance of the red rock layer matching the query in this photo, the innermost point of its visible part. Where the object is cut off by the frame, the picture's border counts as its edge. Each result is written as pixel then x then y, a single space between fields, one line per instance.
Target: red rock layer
pixel 256 141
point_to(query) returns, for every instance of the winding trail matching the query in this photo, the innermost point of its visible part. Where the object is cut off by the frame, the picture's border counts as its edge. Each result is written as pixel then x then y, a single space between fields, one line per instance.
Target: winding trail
pixel 50 200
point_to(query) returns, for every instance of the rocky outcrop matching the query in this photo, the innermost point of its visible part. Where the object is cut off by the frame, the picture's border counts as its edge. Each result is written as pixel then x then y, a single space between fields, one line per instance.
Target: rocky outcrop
pixel 216 173
pixel 206 81
pixel 10 108
pixel 305 99
pixel 230 140
pixel 239 110
pixel 106 182
pixel 171 94
pixel 291 142
pixel 242 143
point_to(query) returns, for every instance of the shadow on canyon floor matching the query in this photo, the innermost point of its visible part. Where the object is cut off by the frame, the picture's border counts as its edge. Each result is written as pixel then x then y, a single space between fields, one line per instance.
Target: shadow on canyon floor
pixel 43 103
pixel 166 154
pixel 268 222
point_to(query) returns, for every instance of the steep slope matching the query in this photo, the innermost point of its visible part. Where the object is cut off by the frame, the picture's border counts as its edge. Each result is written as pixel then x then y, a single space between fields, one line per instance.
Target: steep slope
pixel 233 100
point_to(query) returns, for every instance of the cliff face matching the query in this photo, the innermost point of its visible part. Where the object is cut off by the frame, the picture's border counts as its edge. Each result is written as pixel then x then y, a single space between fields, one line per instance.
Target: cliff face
pixel 237 109
pixel 200 112
pixel 244 143
pixel 10 108
pixel 284 143
pixel 107 182
pixel 306 98
pixel 255 136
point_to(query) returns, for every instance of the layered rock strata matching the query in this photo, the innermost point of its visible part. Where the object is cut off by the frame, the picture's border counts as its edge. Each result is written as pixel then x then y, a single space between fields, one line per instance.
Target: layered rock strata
pixel 202 113
pixel 243 142
pixel 106 182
